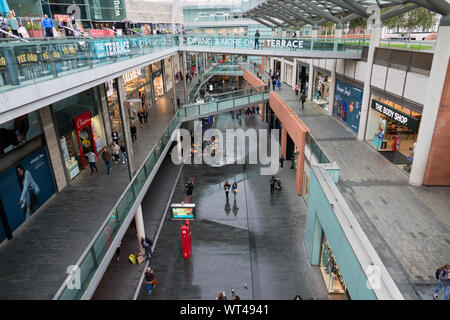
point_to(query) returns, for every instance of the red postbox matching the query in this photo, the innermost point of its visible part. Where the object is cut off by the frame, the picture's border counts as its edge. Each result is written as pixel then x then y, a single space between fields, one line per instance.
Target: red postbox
pixel 186 239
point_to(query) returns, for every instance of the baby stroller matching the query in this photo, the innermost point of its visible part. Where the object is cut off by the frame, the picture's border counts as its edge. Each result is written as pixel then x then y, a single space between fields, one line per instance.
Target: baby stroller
pixel 277 183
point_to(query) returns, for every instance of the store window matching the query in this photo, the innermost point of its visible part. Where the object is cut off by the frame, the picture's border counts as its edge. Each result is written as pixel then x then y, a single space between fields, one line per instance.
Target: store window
pixel 321 89
pixel 168 72
pixel 80 127
pixel 158 81
pixel 393 129
pixel 331 274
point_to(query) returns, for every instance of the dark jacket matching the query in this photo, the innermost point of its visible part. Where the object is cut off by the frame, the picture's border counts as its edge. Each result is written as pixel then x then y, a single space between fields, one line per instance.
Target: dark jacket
pixel 149 276
pixel 123 148
pixel 147 242
pixel 106 155
pixel 133 129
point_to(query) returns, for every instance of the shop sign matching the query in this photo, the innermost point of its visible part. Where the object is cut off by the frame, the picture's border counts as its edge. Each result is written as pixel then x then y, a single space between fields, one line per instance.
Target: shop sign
pixel 396 115
pixel 243 42
pixel 107 48
pixel 83 120
pixel 129 76
pixel 26 58
pixel 2 62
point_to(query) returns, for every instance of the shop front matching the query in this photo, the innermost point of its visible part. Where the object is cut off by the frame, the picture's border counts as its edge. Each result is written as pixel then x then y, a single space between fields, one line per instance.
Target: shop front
pixel 158 79
pixel 22 145
pixel 347 104
pixel 302 76
pixel 288 74
pixel 331 274
pixel 393 129
pixel 168 73
pixel 321 93
pixel 79 125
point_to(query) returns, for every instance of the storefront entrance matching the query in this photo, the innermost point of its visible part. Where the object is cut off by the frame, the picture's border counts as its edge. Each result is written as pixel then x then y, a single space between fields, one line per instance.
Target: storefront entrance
pixel 302 77
pixel 393 129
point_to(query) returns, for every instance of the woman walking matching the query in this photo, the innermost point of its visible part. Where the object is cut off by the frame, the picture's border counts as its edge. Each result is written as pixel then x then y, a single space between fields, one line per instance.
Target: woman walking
pixel 234 188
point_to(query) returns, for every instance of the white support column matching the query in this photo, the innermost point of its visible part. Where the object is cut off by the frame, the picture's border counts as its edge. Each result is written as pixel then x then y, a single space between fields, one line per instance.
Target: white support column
pixel 173 84
pixel 284 34
pixel 283 71
pixel 313 37
pixel 433 96
pixel 196 64
pixel 140 230
pixel 310 79
pixel 184 77
pixel 332 87
pixel 375 36
pixel 337 38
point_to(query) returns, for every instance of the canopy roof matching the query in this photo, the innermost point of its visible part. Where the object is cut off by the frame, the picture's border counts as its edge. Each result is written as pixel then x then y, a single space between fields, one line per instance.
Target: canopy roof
pixel 284 13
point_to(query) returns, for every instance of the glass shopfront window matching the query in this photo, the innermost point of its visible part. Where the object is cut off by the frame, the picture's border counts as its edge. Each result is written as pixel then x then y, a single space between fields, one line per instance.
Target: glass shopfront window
pixel 158 81
pixel 168 73
pixel 331 274
pixel 80 128
pixel 321 89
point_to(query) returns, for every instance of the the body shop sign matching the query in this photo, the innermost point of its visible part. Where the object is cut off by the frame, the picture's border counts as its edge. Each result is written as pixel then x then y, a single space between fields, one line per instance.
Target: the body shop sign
pixel 396 115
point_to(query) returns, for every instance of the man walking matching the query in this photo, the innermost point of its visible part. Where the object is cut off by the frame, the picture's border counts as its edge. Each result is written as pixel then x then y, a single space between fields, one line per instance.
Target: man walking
pixel 257 39
pixel 48 25
pixel 106 155
pixel 133 130
pixel 281 161
pixel 303 99
pixel 115 136
pixel 147 245
pixel 226 187
pixel 92 161
pixel 443 281
pixel 272 184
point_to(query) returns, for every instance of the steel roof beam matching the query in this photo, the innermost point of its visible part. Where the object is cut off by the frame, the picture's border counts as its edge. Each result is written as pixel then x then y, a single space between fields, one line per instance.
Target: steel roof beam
pixel 319 12
pixel 441 6
pixel 280 16
pixel 260 20
pixel 397 11
pixel 356 6
pixel 285 10
pixel 350 8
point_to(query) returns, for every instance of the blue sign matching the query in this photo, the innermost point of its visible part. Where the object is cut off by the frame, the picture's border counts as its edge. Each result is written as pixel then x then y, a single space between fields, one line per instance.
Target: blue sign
pixel 347 104
pixel 38 165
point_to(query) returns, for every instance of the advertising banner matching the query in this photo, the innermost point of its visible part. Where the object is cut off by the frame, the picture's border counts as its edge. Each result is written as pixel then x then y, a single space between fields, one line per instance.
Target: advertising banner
pixel 347 104
pixel 37 164
pixel 183 211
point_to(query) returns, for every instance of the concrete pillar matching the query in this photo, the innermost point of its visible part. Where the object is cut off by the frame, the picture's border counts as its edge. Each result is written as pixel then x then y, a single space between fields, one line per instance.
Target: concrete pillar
pixel 283 71
pixel 105 114
pixel 174 91
pixel 310 79
pixel 152 84
pixel 332 87
pixel 126 127
pixel 53 146
pixel 300 165
pixel 140 230
pixel 313 37
pixel 204 61
pixel 196 63
pixel 283 142
pixel 337 38
pixel 375 36
pixel 432 103
pixel 284 34
pixel 184 77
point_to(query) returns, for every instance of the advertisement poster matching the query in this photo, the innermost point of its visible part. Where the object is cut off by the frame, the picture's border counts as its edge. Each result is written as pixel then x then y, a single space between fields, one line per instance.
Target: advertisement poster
pixel 381 130
pixel 183 211
pixel 37 164
pixel 347 104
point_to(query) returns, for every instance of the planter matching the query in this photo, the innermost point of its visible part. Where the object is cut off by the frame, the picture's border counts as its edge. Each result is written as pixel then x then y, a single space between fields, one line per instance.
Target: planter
pixel 36 33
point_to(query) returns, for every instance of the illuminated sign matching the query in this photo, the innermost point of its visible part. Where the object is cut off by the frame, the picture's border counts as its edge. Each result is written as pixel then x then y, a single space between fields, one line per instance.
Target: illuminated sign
pixel 396 115
pixel 183 211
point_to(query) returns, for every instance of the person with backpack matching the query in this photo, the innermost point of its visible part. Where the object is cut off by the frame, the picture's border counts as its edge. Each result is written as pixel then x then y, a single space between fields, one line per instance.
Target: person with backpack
pixel 147 244
pixel 234 188
pixel 150 280
pixel 443 278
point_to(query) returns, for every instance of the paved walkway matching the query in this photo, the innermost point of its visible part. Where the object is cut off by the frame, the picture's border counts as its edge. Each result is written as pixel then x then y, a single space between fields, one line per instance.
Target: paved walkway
pixel 408 226
pixel 256 240
pixel 33 264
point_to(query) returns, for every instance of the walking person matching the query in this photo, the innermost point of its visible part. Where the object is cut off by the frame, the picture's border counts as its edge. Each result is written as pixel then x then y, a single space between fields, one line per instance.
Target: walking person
pixel 257 40
pixel 116 151
pixel 147 245
pixel 226 187
pixel 118 251
pixel 149 280
pixel 443 281
pixel 303 99
pixel 48 25
pixel 106 155
pixel 29 190
pixel 281 161
pixel 234 188
pixel 133 131
pixel 272 184
pixel 3 26
pixel 115 136
pixel 140 115
pixel 145 114
pixel 297 88
pixel 278 84
pixel 274 83
pixel 92 161
pixel 178 102
pixel 123 152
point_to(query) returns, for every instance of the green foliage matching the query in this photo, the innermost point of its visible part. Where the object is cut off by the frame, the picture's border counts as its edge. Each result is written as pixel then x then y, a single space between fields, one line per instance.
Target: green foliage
pixel 419 17
pixel 360 22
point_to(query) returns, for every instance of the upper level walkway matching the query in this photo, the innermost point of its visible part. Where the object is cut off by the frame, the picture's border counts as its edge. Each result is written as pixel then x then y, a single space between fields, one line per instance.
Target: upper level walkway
pixel 408 226
pixel 40 72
